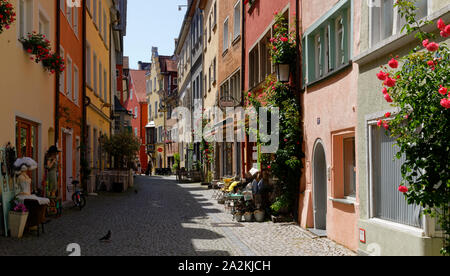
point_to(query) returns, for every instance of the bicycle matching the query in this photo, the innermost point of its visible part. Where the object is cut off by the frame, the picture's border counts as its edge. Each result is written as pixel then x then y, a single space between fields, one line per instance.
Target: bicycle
pixel 78 197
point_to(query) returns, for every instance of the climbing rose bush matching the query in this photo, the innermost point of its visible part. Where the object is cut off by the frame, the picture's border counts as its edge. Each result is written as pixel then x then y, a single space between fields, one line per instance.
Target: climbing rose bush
pixel 421 124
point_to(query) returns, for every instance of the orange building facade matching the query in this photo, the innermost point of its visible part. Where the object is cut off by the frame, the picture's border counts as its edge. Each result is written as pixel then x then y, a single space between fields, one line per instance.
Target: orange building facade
pixel 70 95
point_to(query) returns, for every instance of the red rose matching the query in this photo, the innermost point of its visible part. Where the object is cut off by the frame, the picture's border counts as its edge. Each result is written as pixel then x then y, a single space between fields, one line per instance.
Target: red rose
pixel 382 76
pixel 445 103
pixel 443 90
pixel 393 63
pixel 441 24
pixel 388 98
pixel 386 125
pixel 379 123
pixel 385 91
pixel 403 189
pixel 387 115
pixel 390 82
pixel 425 43
pixel 447 30
pixel 433 46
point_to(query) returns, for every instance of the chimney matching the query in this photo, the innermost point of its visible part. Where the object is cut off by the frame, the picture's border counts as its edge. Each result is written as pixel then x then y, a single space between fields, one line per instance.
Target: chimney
pixel 154 51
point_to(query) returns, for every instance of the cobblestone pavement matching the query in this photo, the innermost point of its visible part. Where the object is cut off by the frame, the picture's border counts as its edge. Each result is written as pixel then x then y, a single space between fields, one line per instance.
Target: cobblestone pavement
pixel 166 219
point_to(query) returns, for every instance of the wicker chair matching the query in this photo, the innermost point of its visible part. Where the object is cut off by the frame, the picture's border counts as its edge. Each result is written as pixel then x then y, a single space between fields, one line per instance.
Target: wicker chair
pixel 36 215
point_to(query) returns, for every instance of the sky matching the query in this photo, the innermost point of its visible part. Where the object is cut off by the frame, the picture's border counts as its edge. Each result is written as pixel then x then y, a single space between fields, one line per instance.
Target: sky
pixel 152 23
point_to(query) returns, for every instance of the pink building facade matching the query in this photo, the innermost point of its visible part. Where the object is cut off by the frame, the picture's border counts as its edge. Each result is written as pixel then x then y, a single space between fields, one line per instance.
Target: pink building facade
pixel 329 198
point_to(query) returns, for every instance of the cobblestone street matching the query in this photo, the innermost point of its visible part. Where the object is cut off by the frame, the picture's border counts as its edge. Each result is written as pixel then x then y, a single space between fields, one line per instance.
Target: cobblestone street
pixel 165 218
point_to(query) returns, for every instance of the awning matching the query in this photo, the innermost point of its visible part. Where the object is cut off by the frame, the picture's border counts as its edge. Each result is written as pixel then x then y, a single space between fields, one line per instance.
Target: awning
pixel 150 125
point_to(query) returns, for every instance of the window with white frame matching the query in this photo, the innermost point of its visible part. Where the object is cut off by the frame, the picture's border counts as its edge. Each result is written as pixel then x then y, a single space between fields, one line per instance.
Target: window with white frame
pixel 44 24
pixel 88 65
pixel 237 20
pixel 318 56
pixel 225 35
pixel 62 75
pixel 389 204
pixel 385 20
pixel 95 73
pixel 105 86
pixel 69 77
pixel 25 12
pixel 76 84
pixel 100 80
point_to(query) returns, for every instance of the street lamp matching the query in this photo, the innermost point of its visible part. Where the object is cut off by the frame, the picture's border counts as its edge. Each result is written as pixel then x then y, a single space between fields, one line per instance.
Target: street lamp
pixel 283 72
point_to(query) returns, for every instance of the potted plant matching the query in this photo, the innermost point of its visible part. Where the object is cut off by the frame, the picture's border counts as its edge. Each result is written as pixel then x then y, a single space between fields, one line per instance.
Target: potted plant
pixel 248 216
pixel 17 219
pixel 7 15
pixel 260 215
pixel 283 48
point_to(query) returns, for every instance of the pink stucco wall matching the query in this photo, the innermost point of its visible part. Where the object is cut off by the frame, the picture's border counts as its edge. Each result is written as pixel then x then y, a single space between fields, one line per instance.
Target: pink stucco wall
pixel 334 102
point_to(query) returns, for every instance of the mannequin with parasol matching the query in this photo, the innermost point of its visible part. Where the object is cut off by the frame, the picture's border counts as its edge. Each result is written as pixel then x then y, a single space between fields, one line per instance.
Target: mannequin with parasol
pixel 24 181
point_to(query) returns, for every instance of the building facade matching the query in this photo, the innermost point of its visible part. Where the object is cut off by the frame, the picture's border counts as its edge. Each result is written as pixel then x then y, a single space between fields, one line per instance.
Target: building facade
pixel 70 96
pixel 98 82
pixel 330 201
pixel 229 76
pixel 387 224
pixel 27 91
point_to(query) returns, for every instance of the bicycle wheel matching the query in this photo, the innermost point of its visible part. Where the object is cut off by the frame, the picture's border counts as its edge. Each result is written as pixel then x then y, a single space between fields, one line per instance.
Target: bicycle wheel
pixel 82 202
pixel 76 200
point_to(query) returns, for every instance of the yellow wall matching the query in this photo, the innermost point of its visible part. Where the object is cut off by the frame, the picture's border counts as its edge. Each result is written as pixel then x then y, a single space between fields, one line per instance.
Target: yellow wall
pixel 98 112
pixel 26 89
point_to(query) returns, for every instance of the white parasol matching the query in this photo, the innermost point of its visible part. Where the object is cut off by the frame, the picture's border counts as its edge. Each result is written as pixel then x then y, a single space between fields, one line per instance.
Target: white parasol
pixel 29 162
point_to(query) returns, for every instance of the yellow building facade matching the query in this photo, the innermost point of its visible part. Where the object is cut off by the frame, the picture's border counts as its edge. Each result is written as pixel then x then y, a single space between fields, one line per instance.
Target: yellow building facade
pixel 98 80
pixel 26 89
pixel 156 117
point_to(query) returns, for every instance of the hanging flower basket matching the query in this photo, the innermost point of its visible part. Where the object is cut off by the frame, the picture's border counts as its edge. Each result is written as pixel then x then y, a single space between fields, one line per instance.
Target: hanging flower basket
pixel 36 44
pixel 7 15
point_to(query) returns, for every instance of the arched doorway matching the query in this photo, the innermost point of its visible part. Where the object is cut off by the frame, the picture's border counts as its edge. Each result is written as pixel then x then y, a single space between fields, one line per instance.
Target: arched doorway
pixel 320 187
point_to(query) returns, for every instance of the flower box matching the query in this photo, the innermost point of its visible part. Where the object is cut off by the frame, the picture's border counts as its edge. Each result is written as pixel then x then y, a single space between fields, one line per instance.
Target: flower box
pixel 17 222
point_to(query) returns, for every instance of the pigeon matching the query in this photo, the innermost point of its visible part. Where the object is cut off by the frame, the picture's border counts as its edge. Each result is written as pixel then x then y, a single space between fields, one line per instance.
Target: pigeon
pixel 106 238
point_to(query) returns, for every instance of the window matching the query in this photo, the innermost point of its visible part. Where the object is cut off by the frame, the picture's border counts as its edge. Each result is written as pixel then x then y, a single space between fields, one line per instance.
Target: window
pixel 69 77
pixel 225 35
pixel 254 67
pixel 105 86
pixel 76 84
pixel 27 142
pixel 44 25
pixel 385 20
pixel 318 56
pixel 25 17
pixel 231 88
pixel 388 203
pixel 95 72
pixel 349 167
pixel 100 81
pixel 150 112
pixel 88 65
pixel 156 110
pixel 327 46
pixel 131 93
pixel 237 20
pixel 69 15
pixel 75 20
pixel 95 11
pixel 62 75
pixel 100 9
pixel 265 60
pixel 136 112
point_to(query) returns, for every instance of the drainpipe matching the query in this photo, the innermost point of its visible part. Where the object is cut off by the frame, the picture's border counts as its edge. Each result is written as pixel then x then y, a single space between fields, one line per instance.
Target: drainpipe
pixel 243 152
pixel 83 101
pixel 57 77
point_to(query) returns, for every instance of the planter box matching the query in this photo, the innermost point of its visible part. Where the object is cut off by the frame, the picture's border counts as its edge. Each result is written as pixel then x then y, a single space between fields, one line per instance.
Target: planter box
pixel 17 222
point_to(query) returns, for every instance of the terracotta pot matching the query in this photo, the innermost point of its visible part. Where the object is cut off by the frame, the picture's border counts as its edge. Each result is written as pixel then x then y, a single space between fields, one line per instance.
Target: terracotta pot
pixel 17 222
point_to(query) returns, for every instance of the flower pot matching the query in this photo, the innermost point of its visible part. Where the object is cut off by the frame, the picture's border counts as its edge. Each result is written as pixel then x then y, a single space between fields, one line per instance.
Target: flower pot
pixel 248 217
pixel 260 216
pixel 17 222
pixel 238 217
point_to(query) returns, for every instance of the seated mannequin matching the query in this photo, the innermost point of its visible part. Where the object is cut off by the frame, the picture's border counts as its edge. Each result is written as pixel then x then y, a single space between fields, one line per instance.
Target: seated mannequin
pixel 24 182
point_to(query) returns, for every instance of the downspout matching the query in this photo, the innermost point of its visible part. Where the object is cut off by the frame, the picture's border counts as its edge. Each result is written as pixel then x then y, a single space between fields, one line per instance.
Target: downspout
pixel 111 117
pixel 84 164
pixel 243 144
pixel 57 77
